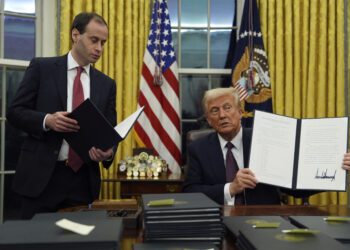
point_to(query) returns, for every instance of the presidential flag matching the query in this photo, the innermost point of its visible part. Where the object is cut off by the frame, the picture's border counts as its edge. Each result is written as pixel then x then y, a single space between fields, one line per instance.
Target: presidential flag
pixel 159 125
pixel 250 70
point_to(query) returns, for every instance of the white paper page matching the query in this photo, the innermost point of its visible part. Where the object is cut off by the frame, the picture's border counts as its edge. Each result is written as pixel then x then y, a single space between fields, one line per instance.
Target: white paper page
pixel 74 227
pixel 323 143
pixel 272 148
pixel 124 127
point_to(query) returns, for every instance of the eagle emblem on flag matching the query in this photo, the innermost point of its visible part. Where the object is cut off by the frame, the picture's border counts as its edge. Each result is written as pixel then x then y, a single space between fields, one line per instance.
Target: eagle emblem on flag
pixel 250 69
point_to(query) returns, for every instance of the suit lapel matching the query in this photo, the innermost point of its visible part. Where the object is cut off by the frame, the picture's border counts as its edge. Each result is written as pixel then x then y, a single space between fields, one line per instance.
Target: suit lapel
pixel 216 158
pixel 247 136
pixel 94 87
pixel 60 73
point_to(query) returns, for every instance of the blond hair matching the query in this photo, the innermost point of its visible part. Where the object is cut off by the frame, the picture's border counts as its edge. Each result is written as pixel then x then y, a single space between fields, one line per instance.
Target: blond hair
pixel 212 94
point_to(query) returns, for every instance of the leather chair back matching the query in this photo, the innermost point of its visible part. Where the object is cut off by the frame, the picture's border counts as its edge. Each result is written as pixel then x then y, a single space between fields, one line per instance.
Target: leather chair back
pixel 193 135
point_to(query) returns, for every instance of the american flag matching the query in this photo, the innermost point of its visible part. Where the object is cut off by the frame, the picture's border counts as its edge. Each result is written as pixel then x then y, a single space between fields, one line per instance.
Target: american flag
pixel 159 125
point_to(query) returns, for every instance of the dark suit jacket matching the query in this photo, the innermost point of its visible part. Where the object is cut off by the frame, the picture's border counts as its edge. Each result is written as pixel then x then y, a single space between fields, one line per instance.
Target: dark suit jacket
pixel 206 172
pixel 44 90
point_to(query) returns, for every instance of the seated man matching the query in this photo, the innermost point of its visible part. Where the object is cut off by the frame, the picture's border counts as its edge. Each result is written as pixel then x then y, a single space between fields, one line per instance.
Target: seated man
pixel 217 162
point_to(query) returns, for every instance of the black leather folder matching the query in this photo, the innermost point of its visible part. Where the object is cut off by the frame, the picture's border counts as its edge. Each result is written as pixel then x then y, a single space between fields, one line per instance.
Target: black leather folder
pixel 339 230
pixel 95 131
pixel 185 204
pixel 248 237
pixel 236 223
pixel 175 246
pixel 43 233
pixel 77 215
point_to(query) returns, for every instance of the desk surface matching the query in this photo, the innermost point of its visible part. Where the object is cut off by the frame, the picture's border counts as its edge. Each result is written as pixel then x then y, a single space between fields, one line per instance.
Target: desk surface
pixel 285 210
pixel 132 236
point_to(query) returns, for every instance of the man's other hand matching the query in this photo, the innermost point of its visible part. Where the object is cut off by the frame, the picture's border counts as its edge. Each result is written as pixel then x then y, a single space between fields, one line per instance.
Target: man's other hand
pixel 59 122
pixel 346 162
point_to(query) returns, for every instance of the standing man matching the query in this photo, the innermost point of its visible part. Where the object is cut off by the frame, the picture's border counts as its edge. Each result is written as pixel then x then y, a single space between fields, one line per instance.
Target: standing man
pixel 49 175
pixel 218 162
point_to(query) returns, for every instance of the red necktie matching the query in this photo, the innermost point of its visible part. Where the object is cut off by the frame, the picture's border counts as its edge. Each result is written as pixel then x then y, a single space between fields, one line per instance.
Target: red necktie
pixel 74 161
pixel 231 170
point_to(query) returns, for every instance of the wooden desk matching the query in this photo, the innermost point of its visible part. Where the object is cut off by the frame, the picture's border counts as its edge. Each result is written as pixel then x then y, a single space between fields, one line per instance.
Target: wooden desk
pixel 130 237
pixel 135 186
pixel 285 210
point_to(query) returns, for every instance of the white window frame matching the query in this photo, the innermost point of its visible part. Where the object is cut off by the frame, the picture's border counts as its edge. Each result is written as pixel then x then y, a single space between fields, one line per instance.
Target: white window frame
pixel 46 40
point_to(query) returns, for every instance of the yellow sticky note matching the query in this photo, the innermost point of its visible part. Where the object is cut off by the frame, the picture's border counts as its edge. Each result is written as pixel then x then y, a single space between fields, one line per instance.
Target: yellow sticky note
pixel 300 231
pixel 267 225
pixel 337 218
pixel 164 202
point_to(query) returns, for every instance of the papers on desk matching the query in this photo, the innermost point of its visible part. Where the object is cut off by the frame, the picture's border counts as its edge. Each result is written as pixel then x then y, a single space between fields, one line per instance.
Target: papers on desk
pixel 299 153
pixel 74 227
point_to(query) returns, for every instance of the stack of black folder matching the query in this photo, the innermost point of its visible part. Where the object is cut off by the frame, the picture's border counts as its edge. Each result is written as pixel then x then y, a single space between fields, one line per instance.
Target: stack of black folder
pixel 193 217
pixel 247 237
pixel 337 229
pixel 42 233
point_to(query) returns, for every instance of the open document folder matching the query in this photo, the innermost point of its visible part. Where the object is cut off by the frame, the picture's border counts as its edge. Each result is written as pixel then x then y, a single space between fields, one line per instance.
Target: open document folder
pixel 95 130
pixel 299 153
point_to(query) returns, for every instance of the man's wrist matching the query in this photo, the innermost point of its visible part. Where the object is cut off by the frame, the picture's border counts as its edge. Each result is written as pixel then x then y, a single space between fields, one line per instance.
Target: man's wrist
pixel 112 155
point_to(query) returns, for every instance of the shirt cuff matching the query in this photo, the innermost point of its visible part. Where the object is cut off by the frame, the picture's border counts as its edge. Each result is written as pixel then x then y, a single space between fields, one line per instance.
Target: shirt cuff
pixel 229 200
pixel 44 127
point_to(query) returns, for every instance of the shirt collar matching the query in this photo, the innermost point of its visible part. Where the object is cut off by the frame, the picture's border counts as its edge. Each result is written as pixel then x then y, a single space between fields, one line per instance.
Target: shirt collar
pixel 72 64
pixel 236 141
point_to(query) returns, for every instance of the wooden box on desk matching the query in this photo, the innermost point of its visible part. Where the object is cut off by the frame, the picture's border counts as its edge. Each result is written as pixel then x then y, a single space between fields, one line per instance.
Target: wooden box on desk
pixel 128 209
pixel 115 204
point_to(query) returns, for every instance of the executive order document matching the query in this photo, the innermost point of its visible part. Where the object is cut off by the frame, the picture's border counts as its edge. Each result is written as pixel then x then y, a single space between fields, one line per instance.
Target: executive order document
pixel 299 153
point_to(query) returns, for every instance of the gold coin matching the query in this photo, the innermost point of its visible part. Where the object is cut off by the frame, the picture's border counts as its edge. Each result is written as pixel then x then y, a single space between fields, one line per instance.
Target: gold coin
pixel 143 156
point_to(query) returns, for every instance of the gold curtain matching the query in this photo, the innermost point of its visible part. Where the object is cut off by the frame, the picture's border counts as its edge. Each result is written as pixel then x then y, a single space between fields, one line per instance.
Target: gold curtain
pixel 122 58
pixel 304 40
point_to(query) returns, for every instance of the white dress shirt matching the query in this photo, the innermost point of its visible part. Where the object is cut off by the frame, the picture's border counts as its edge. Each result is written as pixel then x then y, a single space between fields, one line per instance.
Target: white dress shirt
pixel 237 151
pixel 85 80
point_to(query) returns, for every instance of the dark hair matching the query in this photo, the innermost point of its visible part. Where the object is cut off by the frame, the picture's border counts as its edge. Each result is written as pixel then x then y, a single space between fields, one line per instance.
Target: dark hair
pixel 83 19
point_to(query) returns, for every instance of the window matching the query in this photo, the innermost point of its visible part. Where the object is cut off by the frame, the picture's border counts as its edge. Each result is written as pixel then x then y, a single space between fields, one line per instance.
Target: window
pixel 19 21
pixel 204 34
pixel 19 31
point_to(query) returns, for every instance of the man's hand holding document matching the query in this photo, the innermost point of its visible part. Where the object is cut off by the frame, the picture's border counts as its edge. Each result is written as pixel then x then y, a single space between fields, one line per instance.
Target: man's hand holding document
pixel 96 131
pixel 299 153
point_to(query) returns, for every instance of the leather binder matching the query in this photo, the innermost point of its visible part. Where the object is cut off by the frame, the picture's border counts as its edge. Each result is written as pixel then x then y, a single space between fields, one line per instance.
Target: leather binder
pixel 95 130
pixel 42 233
pixel 338 230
